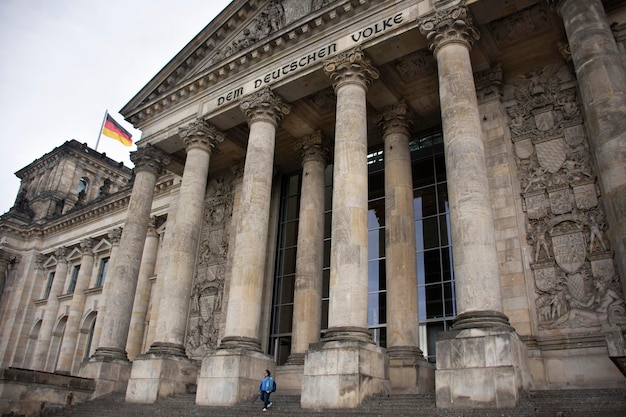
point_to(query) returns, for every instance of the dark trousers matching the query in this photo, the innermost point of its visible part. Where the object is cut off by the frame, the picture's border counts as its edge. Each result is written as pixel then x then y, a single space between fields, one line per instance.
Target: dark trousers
pixel 265 396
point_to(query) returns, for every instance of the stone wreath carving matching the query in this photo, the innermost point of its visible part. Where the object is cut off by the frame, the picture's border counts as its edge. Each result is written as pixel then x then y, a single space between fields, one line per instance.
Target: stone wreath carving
pixel 575 277
pixel 208 290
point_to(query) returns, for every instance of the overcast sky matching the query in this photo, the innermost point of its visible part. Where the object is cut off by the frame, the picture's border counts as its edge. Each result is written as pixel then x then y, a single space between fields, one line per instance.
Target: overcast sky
pixel 64 62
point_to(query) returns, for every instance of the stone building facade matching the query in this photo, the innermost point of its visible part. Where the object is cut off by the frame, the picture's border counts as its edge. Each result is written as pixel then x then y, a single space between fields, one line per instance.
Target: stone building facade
pixel 363 196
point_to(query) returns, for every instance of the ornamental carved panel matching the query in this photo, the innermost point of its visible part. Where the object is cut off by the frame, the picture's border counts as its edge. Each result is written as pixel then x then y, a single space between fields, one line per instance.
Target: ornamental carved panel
pixel 205 311
pixel 575 279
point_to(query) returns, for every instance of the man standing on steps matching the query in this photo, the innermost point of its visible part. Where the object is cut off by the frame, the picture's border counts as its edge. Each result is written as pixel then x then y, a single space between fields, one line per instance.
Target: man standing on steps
pixel 266 388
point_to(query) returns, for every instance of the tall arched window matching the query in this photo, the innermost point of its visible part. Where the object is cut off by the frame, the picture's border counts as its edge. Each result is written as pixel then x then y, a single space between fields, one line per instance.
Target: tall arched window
pixel 83 184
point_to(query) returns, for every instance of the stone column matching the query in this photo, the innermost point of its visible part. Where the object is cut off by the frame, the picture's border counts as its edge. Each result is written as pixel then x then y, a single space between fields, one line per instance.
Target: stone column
pixel 409 371
pixel 114 236
pixel 4 269
pixel 68 346
pixel 307 305
pixel 602 86
pixel 167 353
pixel 40 357
pixel 142 294
pixel 109 364
pixel 348 339
pixel 221 382
pixel 465 378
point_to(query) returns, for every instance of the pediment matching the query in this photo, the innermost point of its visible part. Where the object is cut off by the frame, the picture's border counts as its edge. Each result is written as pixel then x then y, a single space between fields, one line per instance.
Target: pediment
pixel 245 32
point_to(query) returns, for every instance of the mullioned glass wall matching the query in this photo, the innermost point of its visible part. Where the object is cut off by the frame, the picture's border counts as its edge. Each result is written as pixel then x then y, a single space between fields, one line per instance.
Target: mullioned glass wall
pixel 435 277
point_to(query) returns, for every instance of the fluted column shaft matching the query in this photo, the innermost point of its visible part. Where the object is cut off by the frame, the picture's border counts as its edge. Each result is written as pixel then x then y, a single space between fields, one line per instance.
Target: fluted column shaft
pixel 351 73
pixel 200 138
pixel 602 86
pixel 402 301
pixel 307 304
pixel 142 294
pixel 4 264
pixel 149 163
pixel 68 346
pixel 476 271
pixel 263 111
pixel 50 314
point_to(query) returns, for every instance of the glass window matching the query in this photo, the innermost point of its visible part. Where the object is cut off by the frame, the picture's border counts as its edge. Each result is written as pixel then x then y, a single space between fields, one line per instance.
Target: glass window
pixel 102 271
pixel 49 285
pixel 435 280
pixel 83 183
pixel 72 286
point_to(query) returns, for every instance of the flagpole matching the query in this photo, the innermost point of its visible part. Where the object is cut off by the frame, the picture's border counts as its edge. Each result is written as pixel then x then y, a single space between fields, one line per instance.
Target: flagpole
pixel 101 126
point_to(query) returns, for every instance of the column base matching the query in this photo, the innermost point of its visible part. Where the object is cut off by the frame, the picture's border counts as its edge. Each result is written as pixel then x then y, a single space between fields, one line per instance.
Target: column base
pixel 341 374
pixel 110 375
pixel 481 368
pixel 409 371
pixel 230 376
pixel 290 377
pixel 158 375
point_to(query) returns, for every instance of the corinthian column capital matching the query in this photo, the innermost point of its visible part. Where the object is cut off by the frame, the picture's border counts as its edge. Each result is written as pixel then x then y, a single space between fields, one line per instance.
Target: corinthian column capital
pixel 351 67
pixel 115 235
pixel 313 147
pixel 149 158
pixel 61 254
pixel 451 24
pixel 264 105
pixel 86 245
pixel 396 118
pixel 200 134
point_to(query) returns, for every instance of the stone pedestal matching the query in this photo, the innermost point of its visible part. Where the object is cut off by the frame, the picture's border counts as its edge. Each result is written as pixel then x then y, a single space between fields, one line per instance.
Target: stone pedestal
pixel 230 376
pixel 160 376
pixel 481 368
pixel 110 375
pixel 341 374
pixel 410 373
pixel 290 377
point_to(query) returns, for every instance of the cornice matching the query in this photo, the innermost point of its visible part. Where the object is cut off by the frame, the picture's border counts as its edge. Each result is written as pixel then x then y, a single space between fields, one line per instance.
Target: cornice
pixel 80 152
pixel 238 62
pixel 78 218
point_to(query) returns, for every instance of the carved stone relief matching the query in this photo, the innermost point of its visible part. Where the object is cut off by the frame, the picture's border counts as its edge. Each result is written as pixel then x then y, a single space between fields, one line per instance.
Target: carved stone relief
pixel 576 284
pixel 525 23
pixel 208 289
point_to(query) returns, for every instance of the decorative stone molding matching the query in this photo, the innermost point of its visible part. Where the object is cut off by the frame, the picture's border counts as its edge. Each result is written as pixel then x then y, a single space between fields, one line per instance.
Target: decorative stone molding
pixel 150 159
pixel 418 64
pixel 114 236
pixel 313 147
pixel 324 100
pixel 447 25
pixel 264 105
pixel 396 118
pixel 574 272
pixel 205 312
pixel 40 259
pixel 525 23
pixel 351 67
pixel 489 83
pixel 86 246
pixel 200 134
pixel 194 76
pixel 61 254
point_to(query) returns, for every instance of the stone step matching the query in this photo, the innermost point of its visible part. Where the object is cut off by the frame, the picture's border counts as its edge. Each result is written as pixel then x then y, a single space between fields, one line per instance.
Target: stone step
pixel 571 403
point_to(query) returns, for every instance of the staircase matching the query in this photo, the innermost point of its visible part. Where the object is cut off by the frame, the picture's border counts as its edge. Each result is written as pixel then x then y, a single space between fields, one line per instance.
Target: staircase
pixel 569 403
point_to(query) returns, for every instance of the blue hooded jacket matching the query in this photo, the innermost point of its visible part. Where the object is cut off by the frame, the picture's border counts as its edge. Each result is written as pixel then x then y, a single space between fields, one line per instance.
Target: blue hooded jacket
pixel 267 384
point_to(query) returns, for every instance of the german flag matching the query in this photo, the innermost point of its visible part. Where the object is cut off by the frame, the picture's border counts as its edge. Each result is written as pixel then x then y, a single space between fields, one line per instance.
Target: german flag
pixel 115 131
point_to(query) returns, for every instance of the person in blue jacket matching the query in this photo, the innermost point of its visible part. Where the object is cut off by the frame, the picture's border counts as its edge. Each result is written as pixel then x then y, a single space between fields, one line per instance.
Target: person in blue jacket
pixel 266 388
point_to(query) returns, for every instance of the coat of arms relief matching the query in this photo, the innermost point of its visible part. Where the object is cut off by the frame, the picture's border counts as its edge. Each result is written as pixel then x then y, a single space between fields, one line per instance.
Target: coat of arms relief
pixel 575 278
pixel 205 310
